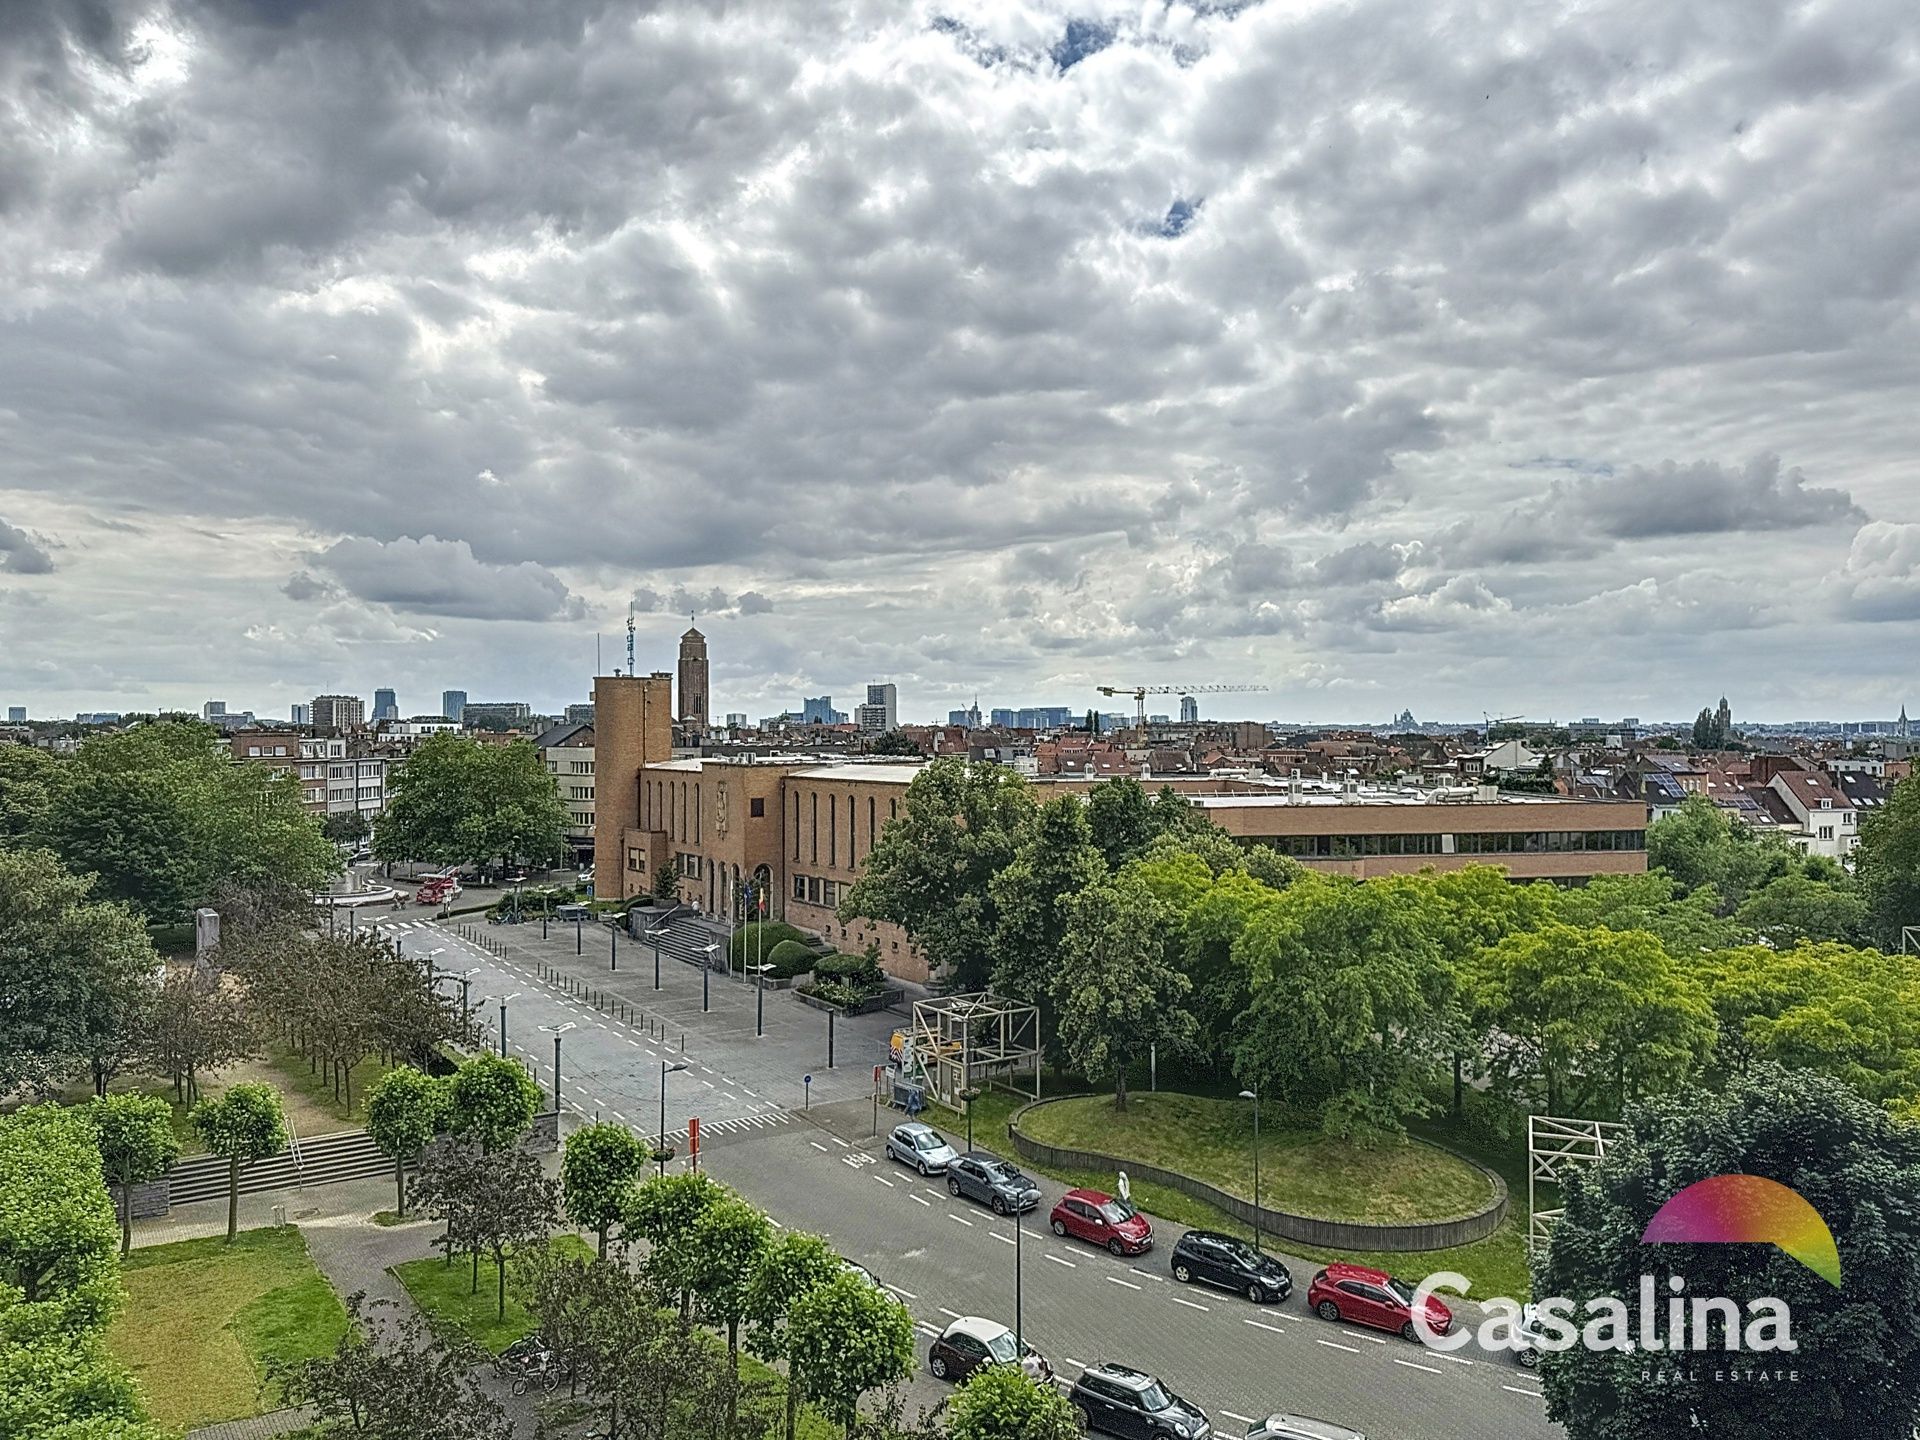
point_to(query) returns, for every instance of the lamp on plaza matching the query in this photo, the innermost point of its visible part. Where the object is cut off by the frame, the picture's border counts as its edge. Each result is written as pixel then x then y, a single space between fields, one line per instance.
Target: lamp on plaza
pixel 466 1009
pixel 653 938
pixel 503 1021
pixel 1254 1096
pixel 557 1031
pixel 706 973
pixel 666 1068
pixel 970 1094
pixel 760 999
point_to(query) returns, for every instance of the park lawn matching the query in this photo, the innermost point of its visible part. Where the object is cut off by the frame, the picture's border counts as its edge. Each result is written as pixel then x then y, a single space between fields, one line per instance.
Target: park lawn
pixel 445 1296
pixel 1301 1171
pixel 308 1095
pixel 203 1318
pixel 1496 1265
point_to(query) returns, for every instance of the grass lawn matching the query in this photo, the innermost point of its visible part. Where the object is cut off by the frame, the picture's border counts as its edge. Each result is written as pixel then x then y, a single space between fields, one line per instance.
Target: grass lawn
pixel 1496 1265
pixel 445 1295
pixel 1301 1171
pixel 309 1097
pixel 203 1318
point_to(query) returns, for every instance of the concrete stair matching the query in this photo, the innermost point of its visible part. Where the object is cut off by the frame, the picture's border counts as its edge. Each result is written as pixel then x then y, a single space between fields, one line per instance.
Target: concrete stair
pixel 322 1160
pixel 686 941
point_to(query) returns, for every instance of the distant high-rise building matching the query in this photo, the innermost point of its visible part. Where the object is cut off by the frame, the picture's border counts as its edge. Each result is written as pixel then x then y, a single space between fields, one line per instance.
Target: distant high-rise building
pixel 580 714
pixel 1003 719
pixel 212 710
pixel 1189 710
pixel 818 710
pixel 496 714
pixel 17 714
pixel 692 709
pixel 453 704
pixel 385 706
pixel 736 719
pixel 97 717
pixel 957 717
pixel 300 714
pixel 339 712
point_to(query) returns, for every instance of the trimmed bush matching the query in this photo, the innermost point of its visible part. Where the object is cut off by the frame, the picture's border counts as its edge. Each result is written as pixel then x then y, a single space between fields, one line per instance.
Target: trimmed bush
pixel 856 970
pixel 790 958
pixel 758 940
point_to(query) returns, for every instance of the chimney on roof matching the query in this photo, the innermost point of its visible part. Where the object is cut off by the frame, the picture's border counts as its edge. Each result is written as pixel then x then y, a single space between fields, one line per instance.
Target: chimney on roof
pixel 1293 786
pixel 1487 794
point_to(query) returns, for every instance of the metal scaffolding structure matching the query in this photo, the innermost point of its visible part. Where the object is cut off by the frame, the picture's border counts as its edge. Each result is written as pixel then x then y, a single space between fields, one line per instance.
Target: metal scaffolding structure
pixel 968 1042
pixel 1555 1149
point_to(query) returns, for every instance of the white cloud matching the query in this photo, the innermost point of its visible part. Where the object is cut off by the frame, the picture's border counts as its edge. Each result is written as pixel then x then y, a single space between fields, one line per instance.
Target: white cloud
pixel 430 576
pixel 1881 579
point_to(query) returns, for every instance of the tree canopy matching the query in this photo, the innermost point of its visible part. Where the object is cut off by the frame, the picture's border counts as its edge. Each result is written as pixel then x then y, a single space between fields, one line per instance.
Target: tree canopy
pixel 1888 863
pixel 459 801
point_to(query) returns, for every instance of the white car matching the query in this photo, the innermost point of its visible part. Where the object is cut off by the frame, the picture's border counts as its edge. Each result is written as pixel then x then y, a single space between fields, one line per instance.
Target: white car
pixel 922 1147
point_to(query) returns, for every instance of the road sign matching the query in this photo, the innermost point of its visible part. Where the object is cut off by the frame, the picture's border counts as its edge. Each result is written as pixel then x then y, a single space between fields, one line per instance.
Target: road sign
pixel 693 1135
pixel 877 1070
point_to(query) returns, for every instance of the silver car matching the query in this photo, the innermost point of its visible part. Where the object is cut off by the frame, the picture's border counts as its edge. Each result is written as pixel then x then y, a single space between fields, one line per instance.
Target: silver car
pixel 922 1147
pixel 1299 1427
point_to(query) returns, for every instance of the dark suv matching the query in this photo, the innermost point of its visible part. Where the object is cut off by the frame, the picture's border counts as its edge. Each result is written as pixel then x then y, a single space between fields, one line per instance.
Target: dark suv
pixel 1204 1255
pixel 1131 1403
pixel 992 1181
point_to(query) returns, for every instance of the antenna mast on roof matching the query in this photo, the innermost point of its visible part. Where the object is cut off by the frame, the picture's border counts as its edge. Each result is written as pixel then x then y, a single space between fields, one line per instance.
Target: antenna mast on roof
pixel 631 670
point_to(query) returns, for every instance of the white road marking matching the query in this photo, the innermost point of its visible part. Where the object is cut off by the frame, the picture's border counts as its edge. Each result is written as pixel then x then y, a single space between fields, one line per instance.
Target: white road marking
pixel 1148 1275
pixel 1190 1304
pixel 749 1092
pixel 1370 1339
pixel 841 1143
pixel 908 1294
pixel 818 1146
pixel 961 1218
pixel 1262 1325
pixel 1331 1346
pixel 954 1314
pixel 926 1329
pixel 707 1083
pixel 1414 1365
pixel 1001 1238
pixel 883 1180
pixel 1456 1359
pixel 1116 1280
pixel 1277 1314
pixel 1518 1391
pixel 918 1201
pixel 1243 1419
pixel 1069 1360
pixel 1058 1261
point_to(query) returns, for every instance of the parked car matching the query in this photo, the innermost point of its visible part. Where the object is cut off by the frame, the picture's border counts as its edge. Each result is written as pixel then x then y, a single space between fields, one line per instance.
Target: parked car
pixel 1096 1216
pixel 855 1267
pixel 1123 1401
pixel 1208 1257
pixel 970 1342
pixel 1299 1427
pixel 992 1181
pixel 1364 1296
pixel 922 1147
pixel 1527 1331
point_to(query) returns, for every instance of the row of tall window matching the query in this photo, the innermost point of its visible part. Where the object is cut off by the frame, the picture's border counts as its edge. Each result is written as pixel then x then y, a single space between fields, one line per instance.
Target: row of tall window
pixel 1518 842
pixel 817 807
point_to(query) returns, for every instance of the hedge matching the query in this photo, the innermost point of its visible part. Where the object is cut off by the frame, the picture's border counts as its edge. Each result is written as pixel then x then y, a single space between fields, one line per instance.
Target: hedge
pixel 757 941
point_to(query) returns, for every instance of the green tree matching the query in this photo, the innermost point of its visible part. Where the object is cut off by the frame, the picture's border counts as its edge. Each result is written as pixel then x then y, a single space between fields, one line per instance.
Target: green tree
pixel 794 1264
pixel 491 1101
pixel 406 1108
pixel 1797 907
pixel 725 1249
pixel 1116 987
pixel 894 742
pixel 1856 1165
pixel 848 1338
pixel 346 826
pixel 1000 1402
pixel 1052 863
pixel 58 1268
pixel 1352 993
pixel 931 870
pixel 514 1207
pixel 199 1020
pixel 600 1169
pixel 27 778
pixel 162 816
pixel 1887 861
pixel 1591 1014
pixel 76 974
pixel 457 801
pixel 1124 820
pixel 1701 845
pixel 1686 923
pixel 665 1212
pixel 243 1125
pixel 137 1144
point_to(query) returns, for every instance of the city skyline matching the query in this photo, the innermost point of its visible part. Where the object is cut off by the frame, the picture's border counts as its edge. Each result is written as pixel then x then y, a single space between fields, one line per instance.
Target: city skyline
pixel 1042 347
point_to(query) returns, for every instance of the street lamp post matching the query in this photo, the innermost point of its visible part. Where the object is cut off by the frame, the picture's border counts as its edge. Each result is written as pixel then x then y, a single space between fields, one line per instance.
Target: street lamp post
pixel 706 975
pixel 760 1000
pixel 1254 1096
pixel 613 947
pixel 653 936
pixel 666 1069
pixel 579 933
pixel 970 1094
pixel 503 1021
pixel 557 1031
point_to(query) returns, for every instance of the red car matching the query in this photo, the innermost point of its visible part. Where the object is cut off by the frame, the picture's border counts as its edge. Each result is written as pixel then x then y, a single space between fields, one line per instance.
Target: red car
pixel 1090 1215
pixel 1361 1296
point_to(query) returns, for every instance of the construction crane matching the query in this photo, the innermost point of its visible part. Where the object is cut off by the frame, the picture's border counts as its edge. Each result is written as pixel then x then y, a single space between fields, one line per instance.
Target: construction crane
pixel 1140 693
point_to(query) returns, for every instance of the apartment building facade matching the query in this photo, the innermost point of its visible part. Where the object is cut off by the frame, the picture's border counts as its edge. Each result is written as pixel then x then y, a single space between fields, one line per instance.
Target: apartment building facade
pixel 567 752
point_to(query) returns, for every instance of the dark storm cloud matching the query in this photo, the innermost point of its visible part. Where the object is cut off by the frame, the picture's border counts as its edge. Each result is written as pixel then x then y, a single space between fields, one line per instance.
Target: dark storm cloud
pixel 895 315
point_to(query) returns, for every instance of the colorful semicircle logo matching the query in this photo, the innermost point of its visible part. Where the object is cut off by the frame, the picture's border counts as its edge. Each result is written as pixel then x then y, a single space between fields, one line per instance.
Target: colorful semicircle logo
pixel 1747 1209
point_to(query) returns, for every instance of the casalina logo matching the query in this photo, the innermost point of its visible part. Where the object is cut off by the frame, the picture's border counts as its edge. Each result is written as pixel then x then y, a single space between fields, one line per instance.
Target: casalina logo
pixel 1725 1210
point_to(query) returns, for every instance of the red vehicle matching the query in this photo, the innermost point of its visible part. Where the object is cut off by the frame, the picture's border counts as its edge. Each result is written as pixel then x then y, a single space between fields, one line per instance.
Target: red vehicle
pixel 436 890
pixel 1090 1215
pixel 1361 1296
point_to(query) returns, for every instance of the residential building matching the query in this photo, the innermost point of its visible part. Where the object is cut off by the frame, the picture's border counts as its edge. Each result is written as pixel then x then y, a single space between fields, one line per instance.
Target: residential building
pixel 276 749
pixel 881 713
pixel 337 714
pixel 693 680
pixel 496 714
pixel 385 706
pixel 453 705
pixel 1828 821
pixel 97 717
pixel 1189 710
pixel 213 710
pixel 300 714
pixel 567 752
pixel 580 714
pixel 419 727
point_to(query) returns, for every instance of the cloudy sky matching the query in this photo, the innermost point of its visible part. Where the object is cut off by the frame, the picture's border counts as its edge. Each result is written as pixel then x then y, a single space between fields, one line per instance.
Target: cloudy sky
pixel 1540 358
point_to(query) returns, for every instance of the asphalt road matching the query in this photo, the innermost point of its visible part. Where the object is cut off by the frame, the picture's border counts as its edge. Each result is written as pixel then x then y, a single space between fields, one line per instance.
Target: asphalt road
pixel 823 1171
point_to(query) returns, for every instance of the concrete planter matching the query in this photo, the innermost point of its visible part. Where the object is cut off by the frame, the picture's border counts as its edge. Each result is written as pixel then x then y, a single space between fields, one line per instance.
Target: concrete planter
pixel 1306 1229
pixel 880 1001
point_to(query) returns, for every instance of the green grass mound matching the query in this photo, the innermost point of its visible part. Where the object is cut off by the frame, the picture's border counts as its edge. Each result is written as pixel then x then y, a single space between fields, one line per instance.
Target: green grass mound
pixel 1302 1171
pixel 203 1318
pixel 447 1296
